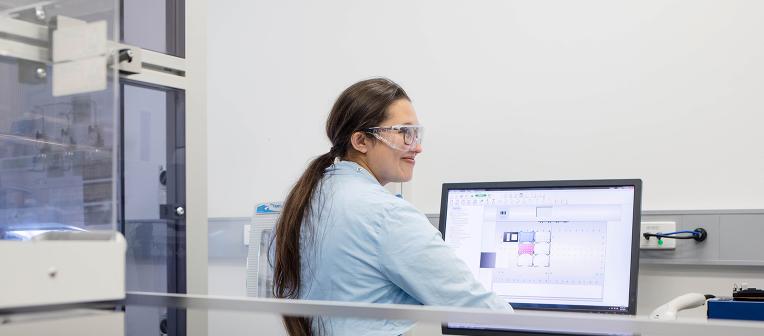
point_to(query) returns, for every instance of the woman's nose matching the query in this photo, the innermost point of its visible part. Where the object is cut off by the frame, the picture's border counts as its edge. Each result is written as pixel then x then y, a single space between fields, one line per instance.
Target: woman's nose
pixel 418 148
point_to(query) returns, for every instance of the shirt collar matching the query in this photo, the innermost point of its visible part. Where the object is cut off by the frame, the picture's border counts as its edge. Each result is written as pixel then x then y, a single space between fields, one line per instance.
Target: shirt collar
pixel 350 168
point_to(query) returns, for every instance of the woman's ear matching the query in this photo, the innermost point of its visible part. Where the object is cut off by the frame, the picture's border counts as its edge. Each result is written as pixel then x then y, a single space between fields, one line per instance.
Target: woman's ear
pixel 359 142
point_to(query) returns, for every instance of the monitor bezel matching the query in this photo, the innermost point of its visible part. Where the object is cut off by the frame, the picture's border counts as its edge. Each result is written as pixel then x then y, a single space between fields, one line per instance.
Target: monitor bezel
pixel 583 184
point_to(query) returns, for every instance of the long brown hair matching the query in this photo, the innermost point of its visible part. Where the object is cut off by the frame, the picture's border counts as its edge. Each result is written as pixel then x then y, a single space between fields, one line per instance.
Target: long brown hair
pixel 362 105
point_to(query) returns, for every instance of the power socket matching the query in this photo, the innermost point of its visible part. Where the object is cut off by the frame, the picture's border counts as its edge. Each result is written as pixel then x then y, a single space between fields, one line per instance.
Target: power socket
pixel 653 243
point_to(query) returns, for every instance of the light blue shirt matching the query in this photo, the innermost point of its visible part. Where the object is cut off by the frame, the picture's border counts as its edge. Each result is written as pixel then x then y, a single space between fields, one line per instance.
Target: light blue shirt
pixel 371 246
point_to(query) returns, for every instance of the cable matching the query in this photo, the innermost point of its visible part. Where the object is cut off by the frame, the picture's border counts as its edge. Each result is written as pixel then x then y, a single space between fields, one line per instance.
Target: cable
pixel 675 232
pixel 673 235
pixel 698 234
pixel 658 235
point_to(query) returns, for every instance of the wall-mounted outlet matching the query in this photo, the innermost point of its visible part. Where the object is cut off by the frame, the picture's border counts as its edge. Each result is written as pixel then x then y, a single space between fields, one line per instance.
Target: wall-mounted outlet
pixel 654 243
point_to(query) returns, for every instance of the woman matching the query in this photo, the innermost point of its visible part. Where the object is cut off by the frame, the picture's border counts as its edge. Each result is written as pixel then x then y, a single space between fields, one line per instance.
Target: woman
pixel 342 236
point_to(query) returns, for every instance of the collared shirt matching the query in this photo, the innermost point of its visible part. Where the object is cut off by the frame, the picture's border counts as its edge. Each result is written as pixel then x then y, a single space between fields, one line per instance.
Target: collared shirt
pixel 367 245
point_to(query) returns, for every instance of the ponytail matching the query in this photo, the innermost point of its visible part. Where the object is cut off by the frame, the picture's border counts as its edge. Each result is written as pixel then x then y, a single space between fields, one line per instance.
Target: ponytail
pixel 286 270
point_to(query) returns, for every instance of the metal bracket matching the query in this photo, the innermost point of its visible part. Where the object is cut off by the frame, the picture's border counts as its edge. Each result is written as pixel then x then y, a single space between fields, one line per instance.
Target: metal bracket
pixel 69 44
pixel 79 55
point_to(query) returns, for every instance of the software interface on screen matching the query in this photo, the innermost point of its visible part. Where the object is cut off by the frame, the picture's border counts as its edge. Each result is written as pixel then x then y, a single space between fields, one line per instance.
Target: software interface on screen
pixel 565 248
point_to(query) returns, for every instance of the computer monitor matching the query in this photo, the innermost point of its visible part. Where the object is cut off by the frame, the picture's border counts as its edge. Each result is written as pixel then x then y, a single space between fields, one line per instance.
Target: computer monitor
pixel 570 246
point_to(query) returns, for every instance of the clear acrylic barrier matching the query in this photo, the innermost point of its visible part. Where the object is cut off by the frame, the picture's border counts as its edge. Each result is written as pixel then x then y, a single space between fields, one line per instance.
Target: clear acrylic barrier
pixel 240 313
pixel 58 154
pixel 250 316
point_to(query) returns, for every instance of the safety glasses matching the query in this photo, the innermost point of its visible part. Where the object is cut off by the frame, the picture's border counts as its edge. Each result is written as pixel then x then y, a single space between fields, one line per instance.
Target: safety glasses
pixel 400 137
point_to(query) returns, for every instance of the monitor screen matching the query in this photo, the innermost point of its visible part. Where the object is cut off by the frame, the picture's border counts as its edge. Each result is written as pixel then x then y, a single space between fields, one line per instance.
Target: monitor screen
pixel 550 245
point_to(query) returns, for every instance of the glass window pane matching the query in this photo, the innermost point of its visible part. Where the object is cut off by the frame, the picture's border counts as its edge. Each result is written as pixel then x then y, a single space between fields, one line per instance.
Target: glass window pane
pixel 57 153
pixel 153 186
pixel 154 25
pixel 145 125
pixel 153 183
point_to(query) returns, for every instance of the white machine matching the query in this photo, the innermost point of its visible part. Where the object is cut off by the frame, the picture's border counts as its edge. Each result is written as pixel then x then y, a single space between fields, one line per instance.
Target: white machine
pixel 75 267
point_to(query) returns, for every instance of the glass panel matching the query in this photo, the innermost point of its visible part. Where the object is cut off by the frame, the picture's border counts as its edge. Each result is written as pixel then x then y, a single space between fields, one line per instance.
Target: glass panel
pixel 154 25
pixel 145 160
pixel 57 154
pixel 154 174
pixel 248 317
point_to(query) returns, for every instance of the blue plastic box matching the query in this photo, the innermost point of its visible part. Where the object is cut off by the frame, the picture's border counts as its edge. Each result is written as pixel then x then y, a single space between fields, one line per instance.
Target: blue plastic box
pixel 736 310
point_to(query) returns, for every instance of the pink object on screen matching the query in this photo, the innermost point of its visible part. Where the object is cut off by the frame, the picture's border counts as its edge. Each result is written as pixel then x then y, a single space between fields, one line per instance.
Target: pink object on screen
pixel 526 249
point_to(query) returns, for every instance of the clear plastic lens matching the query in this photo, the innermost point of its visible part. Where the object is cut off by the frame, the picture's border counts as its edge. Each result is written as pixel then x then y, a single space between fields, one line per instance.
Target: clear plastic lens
pixel 399 137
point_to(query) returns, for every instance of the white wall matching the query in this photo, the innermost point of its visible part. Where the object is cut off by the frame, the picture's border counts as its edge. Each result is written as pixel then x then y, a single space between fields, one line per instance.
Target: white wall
pixel 665 90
